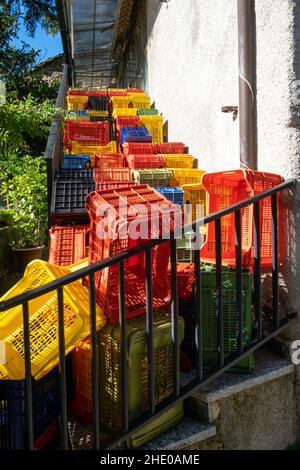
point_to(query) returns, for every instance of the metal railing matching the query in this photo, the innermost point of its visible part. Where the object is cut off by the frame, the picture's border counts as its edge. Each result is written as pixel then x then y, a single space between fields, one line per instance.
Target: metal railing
pixel 202 377
pixel 54 148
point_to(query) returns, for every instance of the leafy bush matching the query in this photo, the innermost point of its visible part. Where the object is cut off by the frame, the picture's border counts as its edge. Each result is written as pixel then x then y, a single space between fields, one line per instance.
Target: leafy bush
pixel 6 218
pixel 25 194
pixel 24 125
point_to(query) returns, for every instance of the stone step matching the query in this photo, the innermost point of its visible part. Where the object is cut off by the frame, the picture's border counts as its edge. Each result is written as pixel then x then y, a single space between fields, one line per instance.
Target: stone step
pixel 187 433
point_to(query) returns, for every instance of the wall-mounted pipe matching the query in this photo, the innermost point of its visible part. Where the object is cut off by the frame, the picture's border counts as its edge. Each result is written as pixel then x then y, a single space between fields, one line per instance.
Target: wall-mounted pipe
pixel 247 83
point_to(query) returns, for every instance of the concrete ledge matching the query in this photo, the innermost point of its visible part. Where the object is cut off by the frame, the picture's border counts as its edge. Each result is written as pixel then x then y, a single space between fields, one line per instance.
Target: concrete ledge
pixel 186 433
pixel 268 367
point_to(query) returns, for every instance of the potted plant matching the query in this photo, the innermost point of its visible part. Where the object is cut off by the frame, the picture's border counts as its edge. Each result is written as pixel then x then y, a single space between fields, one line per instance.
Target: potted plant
pixel 26 198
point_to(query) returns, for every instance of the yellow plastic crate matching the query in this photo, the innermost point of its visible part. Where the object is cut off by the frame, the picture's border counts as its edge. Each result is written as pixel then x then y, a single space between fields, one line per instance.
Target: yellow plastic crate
pixel 141 102
pixel 181 176
pixel 195 203
pixel 124 112
pixel 43 315
pixel 120 101
pixel 133 94
pixel 77 102
pixel 154 124
pixel 98 113
pixel 79 149
pixel 179 161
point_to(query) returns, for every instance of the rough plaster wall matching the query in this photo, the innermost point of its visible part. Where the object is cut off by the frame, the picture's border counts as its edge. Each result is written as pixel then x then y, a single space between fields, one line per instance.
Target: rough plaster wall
pixel 193 68
pixel 262 418
pixel 193 60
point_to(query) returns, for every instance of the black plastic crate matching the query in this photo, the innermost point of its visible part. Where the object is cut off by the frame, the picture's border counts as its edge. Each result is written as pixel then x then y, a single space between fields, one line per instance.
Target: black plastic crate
pixel 69 197
pixel 98 103
pixel 77 175
pixel 46 408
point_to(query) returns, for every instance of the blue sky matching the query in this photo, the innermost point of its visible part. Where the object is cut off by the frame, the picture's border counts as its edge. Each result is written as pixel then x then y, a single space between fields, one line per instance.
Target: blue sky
pixel 48 45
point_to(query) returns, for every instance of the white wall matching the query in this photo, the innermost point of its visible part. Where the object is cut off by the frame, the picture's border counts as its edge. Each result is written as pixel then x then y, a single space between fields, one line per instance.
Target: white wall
pixel 193 67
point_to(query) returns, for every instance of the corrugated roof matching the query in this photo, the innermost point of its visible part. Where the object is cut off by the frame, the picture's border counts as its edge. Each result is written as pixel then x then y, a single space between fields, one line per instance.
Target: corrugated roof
pixel 122 25
pixel 92 29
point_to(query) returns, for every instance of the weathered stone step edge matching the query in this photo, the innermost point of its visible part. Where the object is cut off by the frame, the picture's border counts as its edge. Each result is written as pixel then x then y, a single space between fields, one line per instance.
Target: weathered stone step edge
pixel 186 433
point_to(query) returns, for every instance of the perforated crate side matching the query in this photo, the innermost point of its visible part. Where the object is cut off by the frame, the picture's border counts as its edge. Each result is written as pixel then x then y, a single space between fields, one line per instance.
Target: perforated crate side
pixel 46 408
pixel 209 299
pixel 67 244
pixel 110 380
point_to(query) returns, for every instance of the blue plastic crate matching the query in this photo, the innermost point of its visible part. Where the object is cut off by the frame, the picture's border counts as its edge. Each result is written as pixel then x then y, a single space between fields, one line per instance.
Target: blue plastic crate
pixel 77 162
pixel 175 195
pixel 46 408
pixel 135 134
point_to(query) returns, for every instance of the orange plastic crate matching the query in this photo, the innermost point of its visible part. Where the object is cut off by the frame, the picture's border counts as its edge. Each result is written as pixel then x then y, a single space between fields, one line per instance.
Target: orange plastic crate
pixel 186 279
pixel 145 161
pixel 136 209
pixel 104 185
pixel 82 405
pixel 67 244
pixel 108 160
pixel 228 188
pixel 112 174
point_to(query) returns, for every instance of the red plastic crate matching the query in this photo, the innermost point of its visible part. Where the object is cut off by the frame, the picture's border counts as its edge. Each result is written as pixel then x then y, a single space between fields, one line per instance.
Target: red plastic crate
pixel 78 92
pixel 170 147
pixel 145 161
pixel 108 160
pixel 67 244
pixel 186 279
pixel 138 148
pixel 112 174
pixel 82 131
pixel 81 405
pixel 112 93
pixel 104 185
pixel 111 215
pixel 127 121
pixel 48 436
pixel 133 148
pixel 135 90
pixel 228 188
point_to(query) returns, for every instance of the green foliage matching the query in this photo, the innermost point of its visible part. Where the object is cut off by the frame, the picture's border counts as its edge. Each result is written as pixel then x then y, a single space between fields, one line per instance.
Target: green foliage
pixel 24 126
pixel 17 63
pixel 35 84
pixel 25 193
pixel 6 218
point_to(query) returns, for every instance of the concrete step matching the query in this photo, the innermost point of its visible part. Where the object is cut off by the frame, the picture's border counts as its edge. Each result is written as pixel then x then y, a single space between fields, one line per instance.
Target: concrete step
pixel 187 433
pixel 251 411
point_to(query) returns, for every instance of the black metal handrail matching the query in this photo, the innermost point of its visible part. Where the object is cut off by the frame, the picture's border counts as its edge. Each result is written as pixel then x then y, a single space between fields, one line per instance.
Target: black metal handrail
pixel 202 378
pixel 54 146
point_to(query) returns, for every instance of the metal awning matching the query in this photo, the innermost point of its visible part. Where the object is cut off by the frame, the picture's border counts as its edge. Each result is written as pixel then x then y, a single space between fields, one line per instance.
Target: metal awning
pixel 89 27
pixel 122 25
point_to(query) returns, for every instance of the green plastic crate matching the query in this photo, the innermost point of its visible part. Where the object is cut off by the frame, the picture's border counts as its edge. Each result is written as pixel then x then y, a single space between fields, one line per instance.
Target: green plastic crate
pixel 153 177
pixel 137 362
pixel 148 112
pixel 209 305
pixel 184 249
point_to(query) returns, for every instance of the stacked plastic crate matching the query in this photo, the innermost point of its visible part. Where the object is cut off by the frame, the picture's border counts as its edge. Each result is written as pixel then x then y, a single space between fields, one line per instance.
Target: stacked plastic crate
pixel 113 176
pixel 134 175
